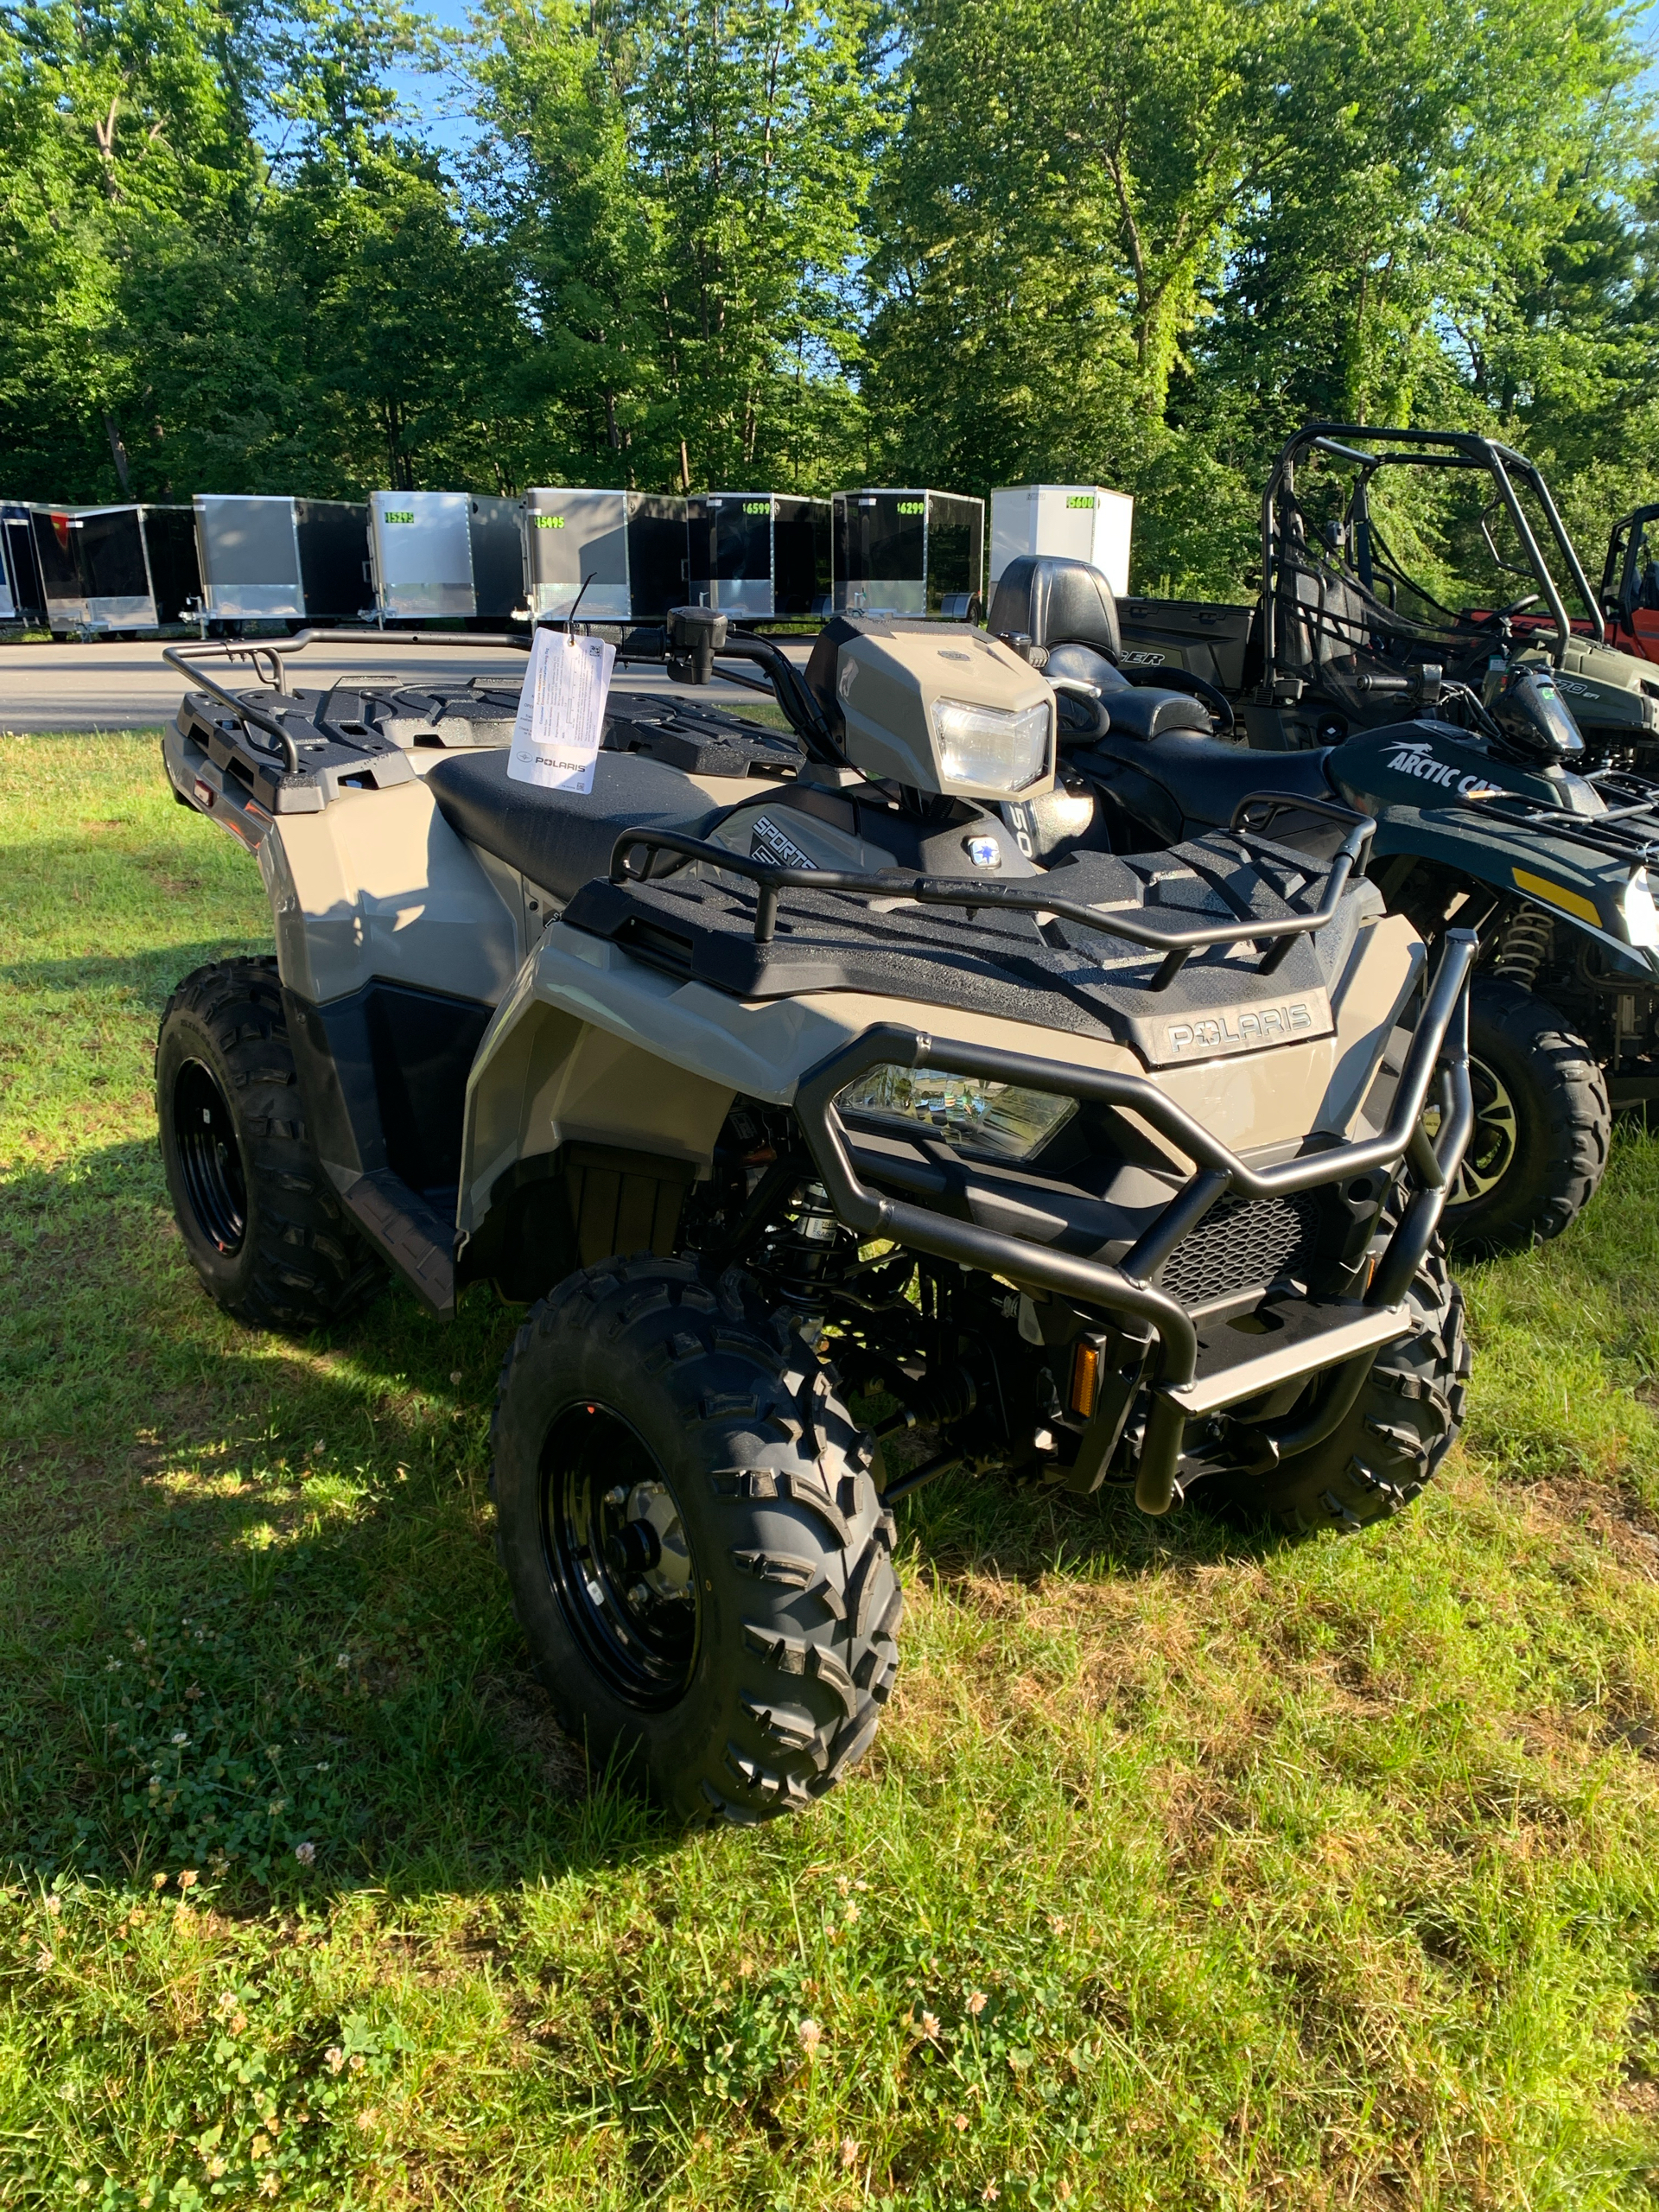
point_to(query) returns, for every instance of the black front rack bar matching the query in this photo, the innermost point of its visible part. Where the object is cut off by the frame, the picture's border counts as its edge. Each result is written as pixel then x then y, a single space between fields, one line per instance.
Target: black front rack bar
pixel 1176 943
pixel 1439 1045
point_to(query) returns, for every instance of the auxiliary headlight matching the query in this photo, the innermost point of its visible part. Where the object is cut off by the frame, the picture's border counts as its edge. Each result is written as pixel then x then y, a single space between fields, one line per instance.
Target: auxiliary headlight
pixel 1641 918
pixel 995 748
pixel 964 1109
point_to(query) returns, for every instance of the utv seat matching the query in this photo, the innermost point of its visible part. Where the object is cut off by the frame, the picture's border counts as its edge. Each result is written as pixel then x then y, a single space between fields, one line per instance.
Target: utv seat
pixel 561 839
pixel 1067 606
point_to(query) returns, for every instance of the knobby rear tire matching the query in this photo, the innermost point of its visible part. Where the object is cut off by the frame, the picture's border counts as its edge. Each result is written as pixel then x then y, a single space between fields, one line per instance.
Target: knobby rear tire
pixel 298 1262
pixel 794 1649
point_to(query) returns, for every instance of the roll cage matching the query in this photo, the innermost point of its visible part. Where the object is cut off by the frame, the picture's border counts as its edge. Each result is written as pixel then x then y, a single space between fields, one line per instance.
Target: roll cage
pixel 1346 603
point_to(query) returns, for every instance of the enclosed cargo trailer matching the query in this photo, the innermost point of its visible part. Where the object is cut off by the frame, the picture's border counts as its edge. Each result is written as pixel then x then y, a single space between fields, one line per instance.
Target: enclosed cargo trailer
pixel 174 565
pixel 758 554
pixel 1078 522
pixel 628 548
pixel 445 555
pixel 23 597
pixel 94 569
pixel 269 559
pixel 908 552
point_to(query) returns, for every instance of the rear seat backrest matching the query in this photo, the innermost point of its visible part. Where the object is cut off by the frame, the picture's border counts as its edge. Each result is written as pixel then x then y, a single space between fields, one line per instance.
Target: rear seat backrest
pixel 1056 602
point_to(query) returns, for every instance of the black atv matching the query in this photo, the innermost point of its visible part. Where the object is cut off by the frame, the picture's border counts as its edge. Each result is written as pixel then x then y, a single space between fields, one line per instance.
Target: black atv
pixel 1486 816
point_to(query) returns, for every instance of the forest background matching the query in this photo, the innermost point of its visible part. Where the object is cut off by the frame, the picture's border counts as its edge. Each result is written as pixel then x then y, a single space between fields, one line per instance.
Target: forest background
pixel 299 245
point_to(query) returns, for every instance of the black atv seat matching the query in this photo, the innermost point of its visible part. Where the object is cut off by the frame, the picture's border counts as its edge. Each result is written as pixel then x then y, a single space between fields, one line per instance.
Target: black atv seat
pixel 1207 778
pixel 561 840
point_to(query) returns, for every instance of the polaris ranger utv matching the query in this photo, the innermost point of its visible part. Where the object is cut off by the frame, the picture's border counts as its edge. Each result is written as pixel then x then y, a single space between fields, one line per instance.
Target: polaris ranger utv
pixel 772 1079
pixel 1342 620
pixel 1487 815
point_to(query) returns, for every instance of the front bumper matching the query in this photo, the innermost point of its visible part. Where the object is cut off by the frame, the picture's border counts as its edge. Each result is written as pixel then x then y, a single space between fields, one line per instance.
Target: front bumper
pixel 1191 1375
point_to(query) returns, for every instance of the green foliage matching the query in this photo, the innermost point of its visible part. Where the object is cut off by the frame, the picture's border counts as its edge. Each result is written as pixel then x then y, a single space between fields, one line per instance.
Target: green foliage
pixel 813 242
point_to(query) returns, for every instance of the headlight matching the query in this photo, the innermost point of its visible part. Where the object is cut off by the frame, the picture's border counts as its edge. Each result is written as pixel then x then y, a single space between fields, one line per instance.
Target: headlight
pixel 1641 918
pixel 964 1109
pixel 995 748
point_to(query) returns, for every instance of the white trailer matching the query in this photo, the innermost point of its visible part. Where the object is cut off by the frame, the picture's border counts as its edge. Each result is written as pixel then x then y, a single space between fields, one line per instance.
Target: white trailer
pixel 1082 522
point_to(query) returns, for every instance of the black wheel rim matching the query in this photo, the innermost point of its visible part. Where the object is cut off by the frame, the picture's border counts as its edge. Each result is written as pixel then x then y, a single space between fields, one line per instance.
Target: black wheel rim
pixel 1493 1141
pixel 618 1555
pixel 210 1159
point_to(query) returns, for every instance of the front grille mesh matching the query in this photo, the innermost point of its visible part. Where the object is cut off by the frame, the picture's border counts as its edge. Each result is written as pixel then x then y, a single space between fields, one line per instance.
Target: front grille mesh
pixel 1243 1241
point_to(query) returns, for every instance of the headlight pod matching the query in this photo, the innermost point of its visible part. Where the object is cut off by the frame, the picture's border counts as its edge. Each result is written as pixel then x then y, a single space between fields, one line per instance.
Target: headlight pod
pixel 964 1109
pixel 1641 918
pixel 993 748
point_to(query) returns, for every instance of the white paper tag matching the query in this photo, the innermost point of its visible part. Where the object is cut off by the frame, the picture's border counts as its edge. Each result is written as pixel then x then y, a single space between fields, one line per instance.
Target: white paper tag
pixel 562 712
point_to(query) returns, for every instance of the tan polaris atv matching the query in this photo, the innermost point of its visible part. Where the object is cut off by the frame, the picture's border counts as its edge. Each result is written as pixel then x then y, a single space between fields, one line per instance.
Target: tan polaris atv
pixel 772 1071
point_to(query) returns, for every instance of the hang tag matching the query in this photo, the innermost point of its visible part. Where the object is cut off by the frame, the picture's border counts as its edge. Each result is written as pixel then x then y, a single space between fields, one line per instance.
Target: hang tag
pixel 562 712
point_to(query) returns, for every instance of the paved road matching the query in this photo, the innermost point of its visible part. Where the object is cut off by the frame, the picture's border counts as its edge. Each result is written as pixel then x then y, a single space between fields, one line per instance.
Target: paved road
pixel 113 686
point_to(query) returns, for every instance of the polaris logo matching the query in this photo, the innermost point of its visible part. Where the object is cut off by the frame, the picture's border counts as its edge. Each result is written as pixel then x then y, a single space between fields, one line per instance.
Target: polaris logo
pixel 1416 759
pixel 1223 1033
pixel 768 842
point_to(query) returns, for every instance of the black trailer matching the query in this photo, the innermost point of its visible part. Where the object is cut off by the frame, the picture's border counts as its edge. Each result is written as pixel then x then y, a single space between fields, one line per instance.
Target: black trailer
pixel 268 559
pixel 628 548
pixel 174 566
pixel 908 552
pixel 758 554
pixel 94 569
pixel 498 579
pixel 22 595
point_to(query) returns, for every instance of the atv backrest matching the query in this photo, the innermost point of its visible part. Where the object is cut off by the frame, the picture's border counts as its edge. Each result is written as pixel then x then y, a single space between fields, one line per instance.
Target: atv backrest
pixel 1055 600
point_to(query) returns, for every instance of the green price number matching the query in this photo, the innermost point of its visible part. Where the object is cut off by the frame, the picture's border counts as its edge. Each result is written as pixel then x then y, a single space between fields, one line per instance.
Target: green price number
pixel 548 522
pixel 397 514
pixel 1086 500
pixel 912 506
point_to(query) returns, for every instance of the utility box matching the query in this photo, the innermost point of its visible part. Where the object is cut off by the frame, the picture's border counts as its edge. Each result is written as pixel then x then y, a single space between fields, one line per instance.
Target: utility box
pixel 272 560
pixel 908 553
pixel 628 547
pixel 22 597
pixel 1080 522
pixel 94 569
pixel 759 553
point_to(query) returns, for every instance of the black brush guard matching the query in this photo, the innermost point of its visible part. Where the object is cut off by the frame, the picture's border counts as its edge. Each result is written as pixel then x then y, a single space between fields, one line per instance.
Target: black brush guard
pixel 1345 1338
pixel 1439 1046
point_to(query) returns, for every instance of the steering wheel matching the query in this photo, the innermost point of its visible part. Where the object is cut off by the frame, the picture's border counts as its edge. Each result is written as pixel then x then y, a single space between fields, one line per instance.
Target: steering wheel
pixel 1514 607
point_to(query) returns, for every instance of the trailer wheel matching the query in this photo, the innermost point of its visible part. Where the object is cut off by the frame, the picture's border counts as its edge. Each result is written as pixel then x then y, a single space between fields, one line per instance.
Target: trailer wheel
pixel 264 1228
pixel 1386 1448
pixel 697 1549
pixel 1542 1124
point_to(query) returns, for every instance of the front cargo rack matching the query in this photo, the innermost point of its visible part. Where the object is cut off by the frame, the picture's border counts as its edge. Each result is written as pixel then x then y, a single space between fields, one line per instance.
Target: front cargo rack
pixel 1176 942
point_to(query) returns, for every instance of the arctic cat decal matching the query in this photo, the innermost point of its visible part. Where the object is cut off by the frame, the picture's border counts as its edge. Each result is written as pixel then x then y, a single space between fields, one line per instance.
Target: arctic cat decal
pixel 768 842
pixel 1416 759
pixel 1237 1030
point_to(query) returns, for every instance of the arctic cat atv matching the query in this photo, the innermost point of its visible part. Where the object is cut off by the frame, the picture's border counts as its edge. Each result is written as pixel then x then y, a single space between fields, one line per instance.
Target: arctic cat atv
pixel 1342 618
pixel 767 1086
pixel 1484 818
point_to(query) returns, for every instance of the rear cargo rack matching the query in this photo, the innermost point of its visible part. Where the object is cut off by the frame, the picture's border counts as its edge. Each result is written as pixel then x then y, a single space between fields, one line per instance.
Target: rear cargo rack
pixel 1615 833
pixel 1176 942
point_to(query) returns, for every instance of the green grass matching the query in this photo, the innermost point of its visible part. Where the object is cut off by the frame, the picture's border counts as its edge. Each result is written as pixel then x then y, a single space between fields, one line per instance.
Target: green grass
pixel 1183 1873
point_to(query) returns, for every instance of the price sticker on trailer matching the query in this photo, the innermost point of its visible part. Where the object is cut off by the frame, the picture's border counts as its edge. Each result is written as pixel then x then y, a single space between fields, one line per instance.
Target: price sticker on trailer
pixel 562 712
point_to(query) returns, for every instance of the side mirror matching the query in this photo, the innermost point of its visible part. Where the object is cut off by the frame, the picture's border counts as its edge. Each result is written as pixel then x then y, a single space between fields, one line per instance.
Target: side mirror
pixel 695 634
